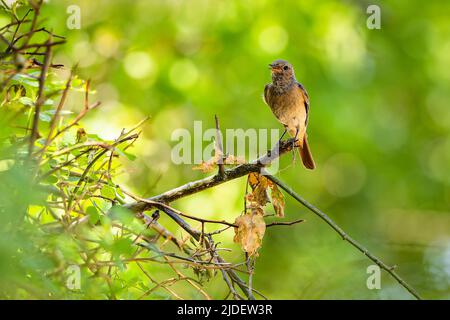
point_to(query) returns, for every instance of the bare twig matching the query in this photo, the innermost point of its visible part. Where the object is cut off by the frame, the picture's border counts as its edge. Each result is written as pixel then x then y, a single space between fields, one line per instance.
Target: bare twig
pixel 230 273
pixel 256 166
pixel 37 10
pixel 89 166
pixel 55 118
pixel 219 149
pixel 344 235
pixel 215 180
pixel 175 215
pixel 40 98
pixel 77 119
pixel 284 223
pixel 188 280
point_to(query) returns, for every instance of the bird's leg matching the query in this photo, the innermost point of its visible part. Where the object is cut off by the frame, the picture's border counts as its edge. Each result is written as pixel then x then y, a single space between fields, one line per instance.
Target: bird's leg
pixel 295 138
pixel 279 140
pixel 293 144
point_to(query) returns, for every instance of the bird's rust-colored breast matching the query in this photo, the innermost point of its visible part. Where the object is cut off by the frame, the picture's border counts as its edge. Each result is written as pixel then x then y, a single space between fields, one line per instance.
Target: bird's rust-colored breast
pixel 289 107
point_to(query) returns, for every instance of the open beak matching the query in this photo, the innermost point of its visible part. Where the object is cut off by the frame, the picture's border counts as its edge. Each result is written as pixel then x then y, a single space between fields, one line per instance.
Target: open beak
pixel 274 68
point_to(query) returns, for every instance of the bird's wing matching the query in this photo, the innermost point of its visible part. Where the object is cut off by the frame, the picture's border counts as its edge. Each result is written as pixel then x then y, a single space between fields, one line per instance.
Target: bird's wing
pixel 266 93
pixel 306 99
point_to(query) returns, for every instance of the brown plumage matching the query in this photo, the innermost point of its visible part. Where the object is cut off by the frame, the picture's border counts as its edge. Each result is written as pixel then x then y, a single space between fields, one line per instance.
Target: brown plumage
pixel 289 102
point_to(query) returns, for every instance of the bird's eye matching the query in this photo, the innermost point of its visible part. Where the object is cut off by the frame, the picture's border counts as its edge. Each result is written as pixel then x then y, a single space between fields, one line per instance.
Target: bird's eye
pixel 285 67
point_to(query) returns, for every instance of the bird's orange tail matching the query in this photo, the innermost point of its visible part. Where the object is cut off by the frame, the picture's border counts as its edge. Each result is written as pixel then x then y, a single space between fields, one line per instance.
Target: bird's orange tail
pixel 305 154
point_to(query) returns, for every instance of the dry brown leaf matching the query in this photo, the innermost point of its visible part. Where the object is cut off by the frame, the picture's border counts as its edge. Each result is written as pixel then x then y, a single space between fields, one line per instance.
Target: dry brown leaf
pixel 210 165
pixel 259 186
pixel 253 179
pixel 250 231
pixel 207 166
pixel 259 196
pixel 277 200
pixel 230 159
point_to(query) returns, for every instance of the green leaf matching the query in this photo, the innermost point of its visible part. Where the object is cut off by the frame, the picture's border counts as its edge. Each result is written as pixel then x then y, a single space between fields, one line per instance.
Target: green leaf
pixel 61 112
pixel 94 137
pixel 93 214
pixel 26 79
pixel 123 215
pixel 44 117
pixel 129 156
pixel 72 179
pixel 142 286
pixel 52 179
pixel 48 102
pixel 108 192
pixel 120 193
pixel 26 101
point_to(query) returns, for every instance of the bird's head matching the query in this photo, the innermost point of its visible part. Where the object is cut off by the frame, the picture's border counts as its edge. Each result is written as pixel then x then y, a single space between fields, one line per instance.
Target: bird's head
pixel 281 70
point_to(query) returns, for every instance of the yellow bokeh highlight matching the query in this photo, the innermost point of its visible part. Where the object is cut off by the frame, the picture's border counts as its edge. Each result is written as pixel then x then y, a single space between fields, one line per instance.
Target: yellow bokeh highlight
pixel 273 39
pixel 139 65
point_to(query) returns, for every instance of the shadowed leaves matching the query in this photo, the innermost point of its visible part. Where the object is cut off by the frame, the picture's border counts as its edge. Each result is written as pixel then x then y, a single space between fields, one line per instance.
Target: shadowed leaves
pixel 250 230
pixel 251 225
pixel 259 196
pixel 211 164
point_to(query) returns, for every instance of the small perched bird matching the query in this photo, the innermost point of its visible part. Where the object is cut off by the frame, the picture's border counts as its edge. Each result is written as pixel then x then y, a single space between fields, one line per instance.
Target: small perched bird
pixel 289 102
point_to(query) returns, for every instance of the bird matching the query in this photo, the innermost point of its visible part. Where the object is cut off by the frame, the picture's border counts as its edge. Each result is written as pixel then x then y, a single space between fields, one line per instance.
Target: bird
pixel 289 102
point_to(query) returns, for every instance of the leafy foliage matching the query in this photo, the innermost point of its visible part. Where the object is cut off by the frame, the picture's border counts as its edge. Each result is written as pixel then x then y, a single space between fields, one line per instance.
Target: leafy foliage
pixel 60 201
pixel 378 130
pixel 57 192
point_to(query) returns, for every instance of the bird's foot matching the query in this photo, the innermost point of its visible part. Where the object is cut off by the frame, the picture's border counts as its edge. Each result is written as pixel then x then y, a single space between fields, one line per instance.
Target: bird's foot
pixel 294 142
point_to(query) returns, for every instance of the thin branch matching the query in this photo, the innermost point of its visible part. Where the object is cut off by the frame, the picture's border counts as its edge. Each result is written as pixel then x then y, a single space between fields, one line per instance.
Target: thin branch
pixel 344 235
pixel 55 118
pixel 40 99
pixel 175 215
pixel 215 180
pixel 284 223
pixel 76 120
pixel 171 212
pixel 89 166
pixel 192 282
pixel 219 148
pixel 230 273
pixel 256 166
pixel 37 11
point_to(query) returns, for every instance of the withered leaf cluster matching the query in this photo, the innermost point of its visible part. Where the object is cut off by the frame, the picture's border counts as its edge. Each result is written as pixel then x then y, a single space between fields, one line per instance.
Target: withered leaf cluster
pixel 251 225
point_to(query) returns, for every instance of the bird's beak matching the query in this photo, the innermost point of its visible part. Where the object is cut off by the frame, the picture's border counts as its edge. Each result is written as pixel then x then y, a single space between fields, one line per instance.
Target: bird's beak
pixel 274 68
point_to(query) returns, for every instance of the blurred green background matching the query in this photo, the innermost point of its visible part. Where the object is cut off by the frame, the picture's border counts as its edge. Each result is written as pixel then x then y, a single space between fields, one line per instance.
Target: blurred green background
pixel 379 124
